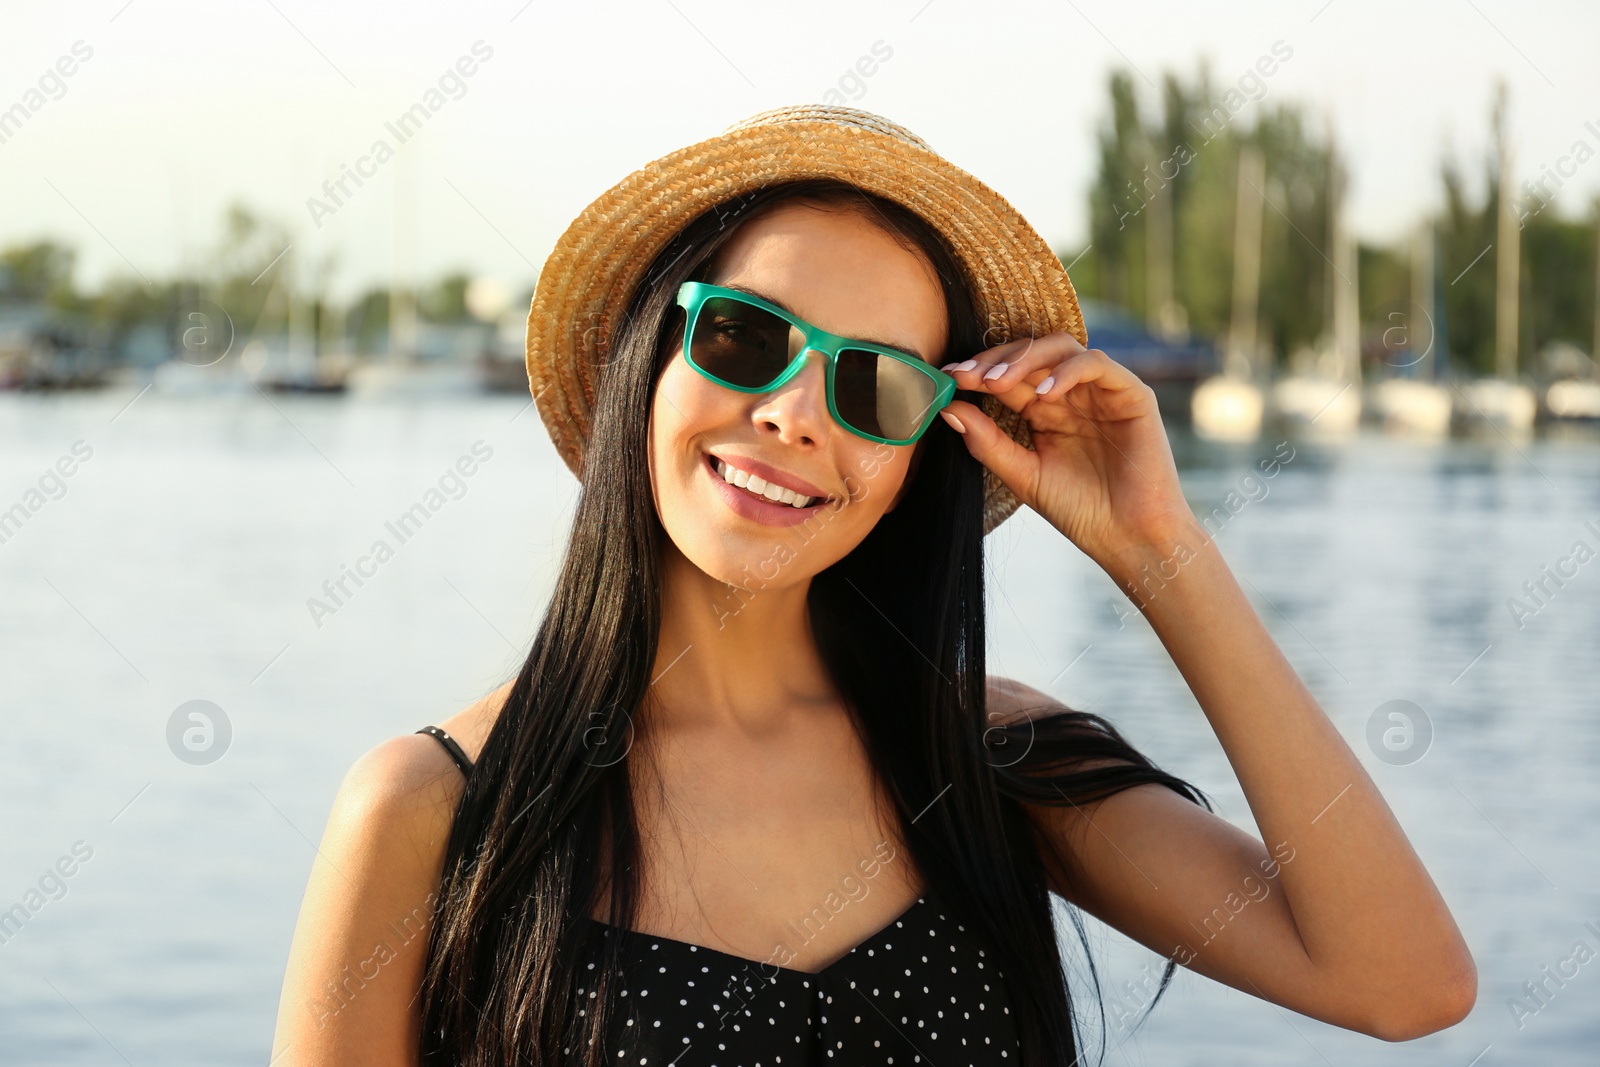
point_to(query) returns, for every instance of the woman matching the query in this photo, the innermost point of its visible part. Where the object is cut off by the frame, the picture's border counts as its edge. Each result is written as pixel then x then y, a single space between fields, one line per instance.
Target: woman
pixel 752 798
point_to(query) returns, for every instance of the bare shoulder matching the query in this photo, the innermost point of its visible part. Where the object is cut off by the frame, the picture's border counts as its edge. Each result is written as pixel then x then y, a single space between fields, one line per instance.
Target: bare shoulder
pixel 1080 862
pixel 409 784
pixel 1013 701
pixel 356 962
pixel 404 783
pixel 471 725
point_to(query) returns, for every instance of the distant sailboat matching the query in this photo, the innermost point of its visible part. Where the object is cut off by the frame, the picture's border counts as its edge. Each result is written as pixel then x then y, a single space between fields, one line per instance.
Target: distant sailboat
pixel 1229 407
pixel 1502 402
pixel 1412 401
pixel 401 372
pixel 1579 398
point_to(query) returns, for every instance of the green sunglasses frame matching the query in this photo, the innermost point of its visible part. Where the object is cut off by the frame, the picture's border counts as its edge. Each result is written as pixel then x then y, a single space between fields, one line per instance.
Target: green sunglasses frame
pixel 692 297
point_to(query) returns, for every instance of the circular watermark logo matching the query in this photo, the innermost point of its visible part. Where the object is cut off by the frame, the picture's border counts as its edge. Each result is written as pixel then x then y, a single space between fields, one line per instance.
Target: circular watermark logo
pixel 608 737
pixel 205 332
pixel 199 732
pixel 1407 335
pixel 1399 732
pixel 1006 744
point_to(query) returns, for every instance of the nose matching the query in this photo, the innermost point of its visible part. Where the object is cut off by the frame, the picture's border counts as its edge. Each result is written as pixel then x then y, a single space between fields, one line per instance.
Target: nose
pixel 798 411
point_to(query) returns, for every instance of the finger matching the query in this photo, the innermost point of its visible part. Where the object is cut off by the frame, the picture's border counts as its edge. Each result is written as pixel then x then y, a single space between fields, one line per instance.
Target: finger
pixel 1015 466
pixel 1017 367
pixel 1003 366
pixel 1090 365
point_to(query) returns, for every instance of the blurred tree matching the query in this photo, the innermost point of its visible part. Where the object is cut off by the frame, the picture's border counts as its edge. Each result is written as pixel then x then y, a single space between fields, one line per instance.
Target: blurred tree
pixel 1295 265
pixel 1191 157
pixel 446 299
pixel 1203 235
pixel 1384 283
pixel 1558 282
pixel 124 302
pixel 367 322
pixel 1114 200
pixel 1467 263
pixel 252 272
pixel 38 272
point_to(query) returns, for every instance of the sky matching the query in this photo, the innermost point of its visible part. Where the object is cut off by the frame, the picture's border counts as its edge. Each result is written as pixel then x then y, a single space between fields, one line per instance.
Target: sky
pixel 176 108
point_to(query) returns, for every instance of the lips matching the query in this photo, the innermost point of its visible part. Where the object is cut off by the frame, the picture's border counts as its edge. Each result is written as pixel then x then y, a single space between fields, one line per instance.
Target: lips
pixel 756 508
pixel 772 475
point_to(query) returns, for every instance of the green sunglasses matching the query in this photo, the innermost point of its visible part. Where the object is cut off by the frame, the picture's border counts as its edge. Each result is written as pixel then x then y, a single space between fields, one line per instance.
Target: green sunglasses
pixel 753 346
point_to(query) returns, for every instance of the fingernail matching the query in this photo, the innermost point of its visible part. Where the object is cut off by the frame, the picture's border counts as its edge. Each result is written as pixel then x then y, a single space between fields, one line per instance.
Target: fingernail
pixel 1044 386
pixel 968 365
pixel 955 423
pixel 947 366
pixel 997 370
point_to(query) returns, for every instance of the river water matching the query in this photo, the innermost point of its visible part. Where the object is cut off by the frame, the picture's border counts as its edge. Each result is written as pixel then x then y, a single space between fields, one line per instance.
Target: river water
pixel 176 561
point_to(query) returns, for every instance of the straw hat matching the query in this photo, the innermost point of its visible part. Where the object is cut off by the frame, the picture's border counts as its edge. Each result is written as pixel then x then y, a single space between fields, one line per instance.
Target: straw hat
pixel 1018 283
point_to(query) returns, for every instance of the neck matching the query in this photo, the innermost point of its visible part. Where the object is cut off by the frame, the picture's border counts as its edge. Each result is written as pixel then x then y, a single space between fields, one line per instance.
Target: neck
pixel 736 657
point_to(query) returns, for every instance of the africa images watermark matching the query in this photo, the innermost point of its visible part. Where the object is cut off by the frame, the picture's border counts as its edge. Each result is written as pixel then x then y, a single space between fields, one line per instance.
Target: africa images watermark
pixel 755 976
pixel 52 486
pixel 337 591
pixel 1132 999
pixel 199 732
pixel 1254 890
pixel 50 86
pixel 338 994
pixel 51 886
pixel 1551 180
pixel 1152 578
pixel 1249 88
pixel 402 128
pixel 1538 995
pixel 1551 579
pixel 852 84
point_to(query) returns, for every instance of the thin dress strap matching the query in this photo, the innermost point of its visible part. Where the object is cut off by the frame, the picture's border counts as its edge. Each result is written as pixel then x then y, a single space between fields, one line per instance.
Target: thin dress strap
pixel 450 746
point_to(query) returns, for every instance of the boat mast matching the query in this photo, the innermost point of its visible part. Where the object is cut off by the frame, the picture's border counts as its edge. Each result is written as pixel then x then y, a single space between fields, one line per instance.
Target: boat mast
pixel 1507 255
pixel 1242 344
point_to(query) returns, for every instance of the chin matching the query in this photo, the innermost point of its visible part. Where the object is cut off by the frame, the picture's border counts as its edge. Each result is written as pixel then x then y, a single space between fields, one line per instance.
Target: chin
pixel 734 555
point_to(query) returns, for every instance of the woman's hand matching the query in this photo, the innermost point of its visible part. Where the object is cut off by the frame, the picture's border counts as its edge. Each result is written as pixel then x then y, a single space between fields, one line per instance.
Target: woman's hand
pixel 1101 470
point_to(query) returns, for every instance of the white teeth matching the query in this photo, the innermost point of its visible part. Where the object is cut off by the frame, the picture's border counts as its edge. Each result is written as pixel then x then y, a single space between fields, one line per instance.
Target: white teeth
pixel 777 494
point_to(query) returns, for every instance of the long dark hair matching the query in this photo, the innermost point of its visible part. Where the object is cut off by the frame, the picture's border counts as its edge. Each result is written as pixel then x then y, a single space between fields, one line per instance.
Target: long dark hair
pixel 546 826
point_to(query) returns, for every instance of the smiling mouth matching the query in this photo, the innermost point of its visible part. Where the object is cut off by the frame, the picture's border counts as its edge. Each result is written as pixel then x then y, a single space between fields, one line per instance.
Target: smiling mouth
pixel 759 489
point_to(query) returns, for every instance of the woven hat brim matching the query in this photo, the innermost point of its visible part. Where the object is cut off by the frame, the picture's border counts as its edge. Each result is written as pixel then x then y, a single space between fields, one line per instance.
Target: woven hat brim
pixel 1018 283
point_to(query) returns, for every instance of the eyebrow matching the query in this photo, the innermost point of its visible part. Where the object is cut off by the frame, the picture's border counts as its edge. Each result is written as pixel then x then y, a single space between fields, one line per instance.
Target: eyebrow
pixel 909 350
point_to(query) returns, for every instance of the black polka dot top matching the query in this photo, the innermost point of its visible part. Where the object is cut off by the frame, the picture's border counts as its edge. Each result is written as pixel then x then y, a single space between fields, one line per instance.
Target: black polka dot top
pixel 921 990
pixel 918 991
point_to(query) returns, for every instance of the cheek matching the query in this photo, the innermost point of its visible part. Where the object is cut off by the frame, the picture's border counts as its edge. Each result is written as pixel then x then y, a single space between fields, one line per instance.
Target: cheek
pixel 686 404
pixel 667 428
pixel 671 417
pixel 686 408
pixel 880 474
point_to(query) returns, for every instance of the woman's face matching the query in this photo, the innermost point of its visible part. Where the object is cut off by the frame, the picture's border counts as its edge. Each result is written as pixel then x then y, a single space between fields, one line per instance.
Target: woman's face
pixel 838 270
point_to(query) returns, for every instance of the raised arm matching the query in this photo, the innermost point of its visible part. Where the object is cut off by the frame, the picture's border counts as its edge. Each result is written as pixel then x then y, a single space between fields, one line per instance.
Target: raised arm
pixel 1333 915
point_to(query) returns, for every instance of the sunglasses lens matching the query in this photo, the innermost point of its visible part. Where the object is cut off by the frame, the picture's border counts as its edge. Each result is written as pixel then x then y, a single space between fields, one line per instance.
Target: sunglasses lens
pixel 749 347
pixel 880 395
pixel 741 344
